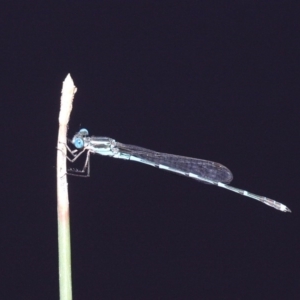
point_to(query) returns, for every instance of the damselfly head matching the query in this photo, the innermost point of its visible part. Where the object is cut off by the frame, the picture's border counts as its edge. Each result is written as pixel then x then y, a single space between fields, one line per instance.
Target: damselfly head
pixel 78 139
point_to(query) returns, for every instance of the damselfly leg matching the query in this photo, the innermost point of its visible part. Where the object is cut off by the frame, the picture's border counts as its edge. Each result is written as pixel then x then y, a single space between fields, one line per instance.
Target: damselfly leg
pixel 85 172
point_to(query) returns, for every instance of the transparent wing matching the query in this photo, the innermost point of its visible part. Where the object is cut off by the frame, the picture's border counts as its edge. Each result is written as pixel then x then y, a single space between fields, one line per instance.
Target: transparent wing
pixel 202 168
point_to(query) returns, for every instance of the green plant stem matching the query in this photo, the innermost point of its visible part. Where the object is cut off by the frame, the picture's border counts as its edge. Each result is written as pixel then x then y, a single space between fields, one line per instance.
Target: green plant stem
pixel 64 248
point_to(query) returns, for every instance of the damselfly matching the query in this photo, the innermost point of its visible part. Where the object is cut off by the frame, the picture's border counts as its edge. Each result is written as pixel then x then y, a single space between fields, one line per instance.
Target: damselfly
pixel 198 169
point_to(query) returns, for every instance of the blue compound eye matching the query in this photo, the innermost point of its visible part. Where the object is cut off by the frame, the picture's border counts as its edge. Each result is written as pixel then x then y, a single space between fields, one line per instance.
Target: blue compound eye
pixel 78 143
pixel 83 132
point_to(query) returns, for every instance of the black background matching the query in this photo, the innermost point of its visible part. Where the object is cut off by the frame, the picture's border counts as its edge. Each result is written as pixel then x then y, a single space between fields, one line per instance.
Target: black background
pixel 212 81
